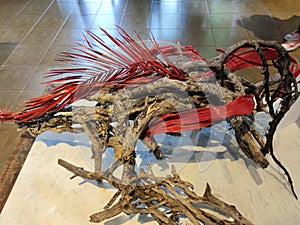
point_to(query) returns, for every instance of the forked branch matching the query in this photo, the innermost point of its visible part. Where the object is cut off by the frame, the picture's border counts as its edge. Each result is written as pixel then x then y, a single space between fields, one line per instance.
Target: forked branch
pixel 166 199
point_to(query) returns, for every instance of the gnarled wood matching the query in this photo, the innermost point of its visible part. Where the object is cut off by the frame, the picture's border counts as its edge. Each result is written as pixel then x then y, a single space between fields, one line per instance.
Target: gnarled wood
pixel 147 89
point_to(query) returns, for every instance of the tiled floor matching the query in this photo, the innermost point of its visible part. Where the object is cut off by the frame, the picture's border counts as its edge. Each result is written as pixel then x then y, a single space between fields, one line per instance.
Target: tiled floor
pixel 33 32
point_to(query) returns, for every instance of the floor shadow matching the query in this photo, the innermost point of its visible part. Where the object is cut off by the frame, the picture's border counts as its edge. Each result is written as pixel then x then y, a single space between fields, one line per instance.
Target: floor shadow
pixel 269 28
pixel 51 139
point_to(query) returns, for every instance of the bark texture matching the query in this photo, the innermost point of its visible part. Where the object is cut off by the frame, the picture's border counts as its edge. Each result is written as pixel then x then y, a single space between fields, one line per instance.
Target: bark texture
pixel 122 117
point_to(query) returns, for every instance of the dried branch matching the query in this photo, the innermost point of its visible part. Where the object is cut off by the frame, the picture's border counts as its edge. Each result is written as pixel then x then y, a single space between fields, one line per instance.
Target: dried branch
pixel 149 194
pixel 161 91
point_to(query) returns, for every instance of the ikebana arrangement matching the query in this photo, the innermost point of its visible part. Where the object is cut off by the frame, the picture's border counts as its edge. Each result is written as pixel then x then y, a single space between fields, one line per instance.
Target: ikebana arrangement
pixel 141 89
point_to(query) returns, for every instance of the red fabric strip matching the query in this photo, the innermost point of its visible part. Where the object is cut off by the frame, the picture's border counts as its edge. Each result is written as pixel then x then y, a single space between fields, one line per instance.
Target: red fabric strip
pixel 200 117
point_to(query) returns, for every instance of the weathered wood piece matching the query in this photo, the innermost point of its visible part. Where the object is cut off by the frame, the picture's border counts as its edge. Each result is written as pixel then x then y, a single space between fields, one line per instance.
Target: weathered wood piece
pixel 167 199
pixel 122 117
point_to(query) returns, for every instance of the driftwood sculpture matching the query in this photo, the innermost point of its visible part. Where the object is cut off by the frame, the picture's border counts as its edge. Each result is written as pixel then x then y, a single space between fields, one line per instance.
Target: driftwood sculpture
pixel 139 92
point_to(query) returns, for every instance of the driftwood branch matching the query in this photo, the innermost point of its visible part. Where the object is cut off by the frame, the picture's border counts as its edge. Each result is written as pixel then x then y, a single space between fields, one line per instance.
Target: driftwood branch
pixel 122 117
pixel 149 194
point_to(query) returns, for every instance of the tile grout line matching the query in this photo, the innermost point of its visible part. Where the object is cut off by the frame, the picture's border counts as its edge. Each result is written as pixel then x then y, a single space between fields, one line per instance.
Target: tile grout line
pixel 210 26
pixel 124 12
pixel 55 36
pixel 47 49
pixel 241 19
pixel 27 34
pixel 23 8
pixel 90 27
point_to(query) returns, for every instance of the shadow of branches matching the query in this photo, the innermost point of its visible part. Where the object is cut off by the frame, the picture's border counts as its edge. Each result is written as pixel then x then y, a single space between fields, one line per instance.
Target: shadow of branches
pixel 269 28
